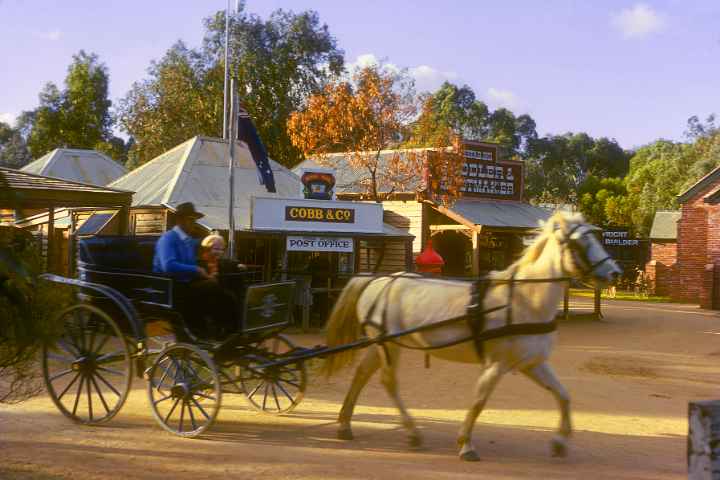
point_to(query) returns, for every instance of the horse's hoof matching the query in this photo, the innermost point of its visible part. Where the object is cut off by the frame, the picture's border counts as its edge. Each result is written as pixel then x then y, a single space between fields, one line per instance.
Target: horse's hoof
pixel 559 448
pixel 415 441
pixel 470 456
pixel 345 434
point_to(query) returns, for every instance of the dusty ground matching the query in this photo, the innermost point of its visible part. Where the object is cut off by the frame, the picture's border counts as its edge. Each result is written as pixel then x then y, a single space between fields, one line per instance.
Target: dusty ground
pixel 630 377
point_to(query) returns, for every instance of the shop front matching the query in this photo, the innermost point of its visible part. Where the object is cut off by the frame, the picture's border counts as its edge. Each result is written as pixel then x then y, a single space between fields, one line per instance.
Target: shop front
pixel 321 243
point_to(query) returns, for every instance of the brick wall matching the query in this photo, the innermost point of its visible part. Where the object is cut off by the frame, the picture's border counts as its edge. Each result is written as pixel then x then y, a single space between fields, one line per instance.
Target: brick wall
pixel 661 270
pixel 698 249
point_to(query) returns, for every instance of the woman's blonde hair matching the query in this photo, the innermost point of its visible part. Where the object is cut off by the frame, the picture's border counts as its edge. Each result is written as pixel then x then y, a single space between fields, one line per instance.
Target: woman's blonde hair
pixel 211 240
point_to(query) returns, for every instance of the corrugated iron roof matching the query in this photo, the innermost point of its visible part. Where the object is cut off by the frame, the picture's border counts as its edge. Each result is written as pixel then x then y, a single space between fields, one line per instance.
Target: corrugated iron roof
pixel 196 171
pixel 664 226
pixel 491 213
pixel 27 189
pixel 86 166
pixel 351 178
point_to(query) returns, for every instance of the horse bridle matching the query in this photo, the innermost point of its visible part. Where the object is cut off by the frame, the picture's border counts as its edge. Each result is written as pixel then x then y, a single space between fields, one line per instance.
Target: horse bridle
pixel 578 253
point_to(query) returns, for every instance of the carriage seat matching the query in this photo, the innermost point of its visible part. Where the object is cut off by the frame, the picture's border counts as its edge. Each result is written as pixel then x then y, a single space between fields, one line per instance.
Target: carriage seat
pixel 118 253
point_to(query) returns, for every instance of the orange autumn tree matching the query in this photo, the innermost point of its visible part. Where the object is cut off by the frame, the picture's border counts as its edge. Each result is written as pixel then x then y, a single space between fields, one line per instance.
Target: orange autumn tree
pixel 363 117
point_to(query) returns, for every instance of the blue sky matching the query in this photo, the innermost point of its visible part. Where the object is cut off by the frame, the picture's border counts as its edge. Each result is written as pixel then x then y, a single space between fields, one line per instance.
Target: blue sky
pixel 634 71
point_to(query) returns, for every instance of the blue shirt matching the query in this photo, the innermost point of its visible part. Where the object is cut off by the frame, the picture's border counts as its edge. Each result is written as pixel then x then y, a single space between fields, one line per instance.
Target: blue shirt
pixel 175 255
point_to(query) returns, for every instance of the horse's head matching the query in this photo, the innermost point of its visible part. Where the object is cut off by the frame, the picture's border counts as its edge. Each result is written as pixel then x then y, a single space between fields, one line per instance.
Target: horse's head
pixel 583 256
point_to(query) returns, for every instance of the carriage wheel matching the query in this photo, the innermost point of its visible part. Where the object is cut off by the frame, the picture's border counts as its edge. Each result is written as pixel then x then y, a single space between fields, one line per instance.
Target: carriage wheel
pixel 88 370
pixel 274 390
pixel 184 390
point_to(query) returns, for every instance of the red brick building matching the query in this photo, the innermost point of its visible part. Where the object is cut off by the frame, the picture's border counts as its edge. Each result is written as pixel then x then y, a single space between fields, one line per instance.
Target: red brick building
pixel 661 270
pixel 698 243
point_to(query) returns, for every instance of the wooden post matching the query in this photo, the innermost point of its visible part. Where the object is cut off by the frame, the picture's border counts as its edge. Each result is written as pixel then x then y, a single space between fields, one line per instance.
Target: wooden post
pixel 71 244
pixel 50 237
pixel 597 312
pixel 475 253
pixel 566 302
pixel 703 446
pixel 124 220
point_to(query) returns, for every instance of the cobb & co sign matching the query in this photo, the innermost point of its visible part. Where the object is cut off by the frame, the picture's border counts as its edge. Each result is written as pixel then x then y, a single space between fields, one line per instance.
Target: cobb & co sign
pixel 486 177
pixel 298 213
pixel 618 237
pixel 319 244
pixel 270 213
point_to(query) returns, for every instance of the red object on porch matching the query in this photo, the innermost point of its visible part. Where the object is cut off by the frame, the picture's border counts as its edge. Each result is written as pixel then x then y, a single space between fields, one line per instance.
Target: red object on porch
pixel 429 261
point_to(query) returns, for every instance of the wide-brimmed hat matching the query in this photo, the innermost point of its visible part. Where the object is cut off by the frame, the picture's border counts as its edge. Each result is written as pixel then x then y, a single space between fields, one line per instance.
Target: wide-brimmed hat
pixel 187 209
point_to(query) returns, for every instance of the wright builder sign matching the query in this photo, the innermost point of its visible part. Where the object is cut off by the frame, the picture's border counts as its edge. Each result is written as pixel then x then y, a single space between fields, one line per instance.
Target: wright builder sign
pixel 484 176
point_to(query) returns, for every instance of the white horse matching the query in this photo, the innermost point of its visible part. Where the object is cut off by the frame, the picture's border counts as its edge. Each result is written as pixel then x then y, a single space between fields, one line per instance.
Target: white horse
pixel 375 306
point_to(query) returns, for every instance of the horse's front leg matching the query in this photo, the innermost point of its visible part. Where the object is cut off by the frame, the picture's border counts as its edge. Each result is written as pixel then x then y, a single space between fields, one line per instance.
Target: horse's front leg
pixel 389 355
pixel 544 376
pixel 369 365
pixel 485 386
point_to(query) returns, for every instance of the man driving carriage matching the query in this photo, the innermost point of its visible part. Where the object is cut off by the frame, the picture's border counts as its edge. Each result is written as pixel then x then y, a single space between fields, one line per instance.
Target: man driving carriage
pixel 210 309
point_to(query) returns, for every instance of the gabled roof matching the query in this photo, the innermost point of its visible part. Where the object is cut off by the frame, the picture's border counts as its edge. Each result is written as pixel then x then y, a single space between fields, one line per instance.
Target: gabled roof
pixel 664 226
pixel 86 166
pixel 353 179
pixel 197 171
pixel 20 189
pixel 700 185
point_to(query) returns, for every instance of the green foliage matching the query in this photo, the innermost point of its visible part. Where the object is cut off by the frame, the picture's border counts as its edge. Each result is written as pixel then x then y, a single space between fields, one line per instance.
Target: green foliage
pixel 27 309
pixel 13 150
pixel 603 201
pixel 76 117
pixel 453 111
pixel 557 165
pixel 277 64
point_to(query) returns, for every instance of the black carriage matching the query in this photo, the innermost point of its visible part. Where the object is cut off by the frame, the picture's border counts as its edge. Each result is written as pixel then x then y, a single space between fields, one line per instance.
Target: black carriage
pixel 129 322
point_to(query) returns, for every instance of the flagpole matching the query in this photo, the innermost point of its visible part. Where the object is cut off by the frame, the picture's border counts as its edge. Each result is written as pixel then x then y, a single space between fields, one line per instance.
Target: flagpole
pixel 227 71
pixel 229 134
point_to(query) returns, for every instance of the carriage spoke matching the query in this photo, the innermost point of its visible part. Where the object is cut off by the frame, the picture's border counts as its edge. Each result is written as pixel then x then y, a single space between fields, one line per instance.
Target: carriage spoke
pixel 166 397
pixel 113 372
pixel 112 357
pixel 276 398
pixel 89 395
pixel 285 392
pixel 107 384
pixel 77 396
pixel 68 348
pixel 266 395
pixel 202 410
pixel 165 374
pixel 91 341
pixel 102 397
pixel 256 389
pixel 182 416
pixel 60 358
pixel 102 343
pixel 68 386
pixel 204 395
pixel 192 417
pixel 172 409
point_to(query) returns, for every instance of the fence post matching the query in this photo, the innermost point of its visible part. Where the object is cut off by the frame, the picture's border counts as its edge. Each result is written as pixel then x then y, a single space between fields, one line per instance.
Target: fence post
pixel 596 311
pixel 703 446
pixel 566 302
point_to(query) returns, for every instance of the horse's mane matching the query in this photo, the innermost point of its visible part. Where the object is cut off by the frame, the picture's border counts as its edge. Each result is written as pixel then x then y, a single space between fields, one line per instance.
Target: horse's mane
pixel 558 221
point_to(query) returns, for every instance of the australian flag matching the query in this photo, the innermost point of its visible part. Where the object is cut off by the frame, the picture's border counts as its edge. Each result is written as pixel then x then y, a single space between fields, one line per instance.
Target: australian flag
pixel 248 133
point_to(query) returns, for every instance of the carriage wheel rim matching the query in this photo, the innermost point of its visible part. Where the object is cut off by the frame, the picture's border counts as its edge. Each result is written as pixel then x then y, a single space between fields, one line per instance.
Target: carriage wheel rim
pixel 86 377
pixel 184 390
pixel 276 390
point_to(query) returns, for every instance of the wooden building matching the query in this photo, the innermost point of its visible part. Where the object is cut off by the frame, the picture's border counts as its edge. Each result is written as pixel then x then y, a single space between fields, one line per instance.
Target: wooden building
pixel 486 228
pixel 22 191
pixel 661 270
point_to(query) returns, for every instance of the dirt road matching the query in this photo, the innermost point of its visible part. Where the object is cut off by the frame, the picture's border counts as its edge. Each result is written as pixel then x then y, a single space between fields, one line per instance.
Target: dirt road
pixel 630 378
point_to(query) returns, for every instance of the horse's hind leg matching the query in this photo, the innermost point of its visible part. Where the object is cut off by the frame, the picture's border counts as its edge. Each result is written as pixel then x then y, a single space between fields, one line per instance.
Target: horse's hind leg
pixel 390 355
pixel 485 386
pixel 369 365
pixel 544 376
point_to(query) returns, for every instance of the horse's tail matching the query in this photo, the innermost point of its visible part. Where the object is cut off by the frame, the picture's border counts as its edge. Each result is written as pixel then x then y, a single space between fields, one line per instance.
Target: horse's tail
pixel 344 326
